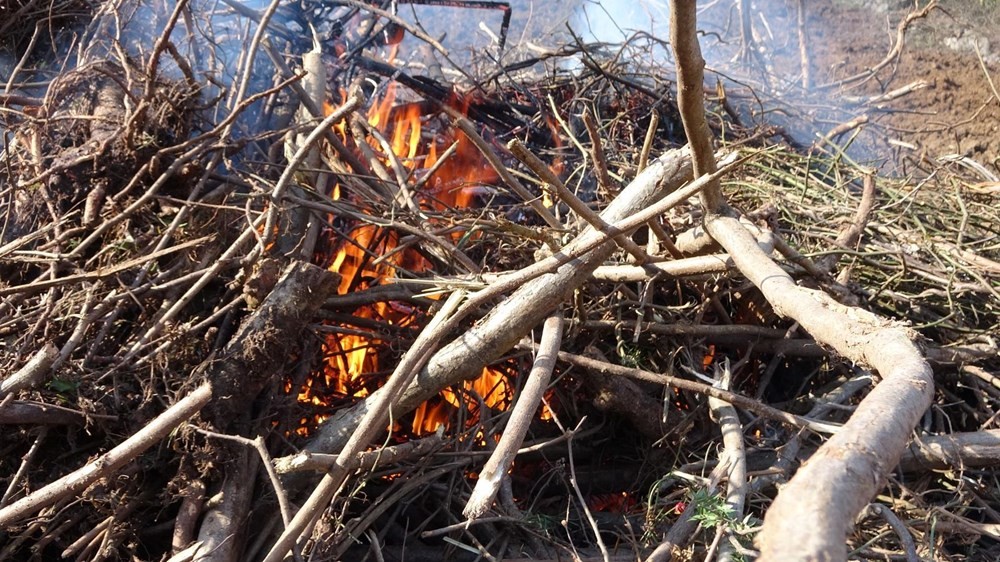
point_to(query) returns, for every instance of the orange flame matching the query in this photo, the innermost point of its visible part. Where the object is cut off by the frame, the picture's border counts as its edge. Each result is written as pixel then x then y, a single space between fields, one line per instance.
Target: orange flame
pixel 366 256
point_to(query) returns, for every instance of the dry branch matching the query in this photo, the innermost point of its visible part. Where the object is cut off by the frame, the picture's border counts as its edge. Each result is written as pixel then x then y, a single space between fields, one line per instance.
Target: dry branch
pixel 490 477
pixel 811 517
pixel 734 458
pixel 32 373
pixel 579 207
pixel 36 413
pixel 894 52
pixel 733 398
pixel 385 456
pixel 814 512
pixel 79 480
pixel 266 340
pixel 223 530
pixel 956 451
pixel 691 97
pixel 484 343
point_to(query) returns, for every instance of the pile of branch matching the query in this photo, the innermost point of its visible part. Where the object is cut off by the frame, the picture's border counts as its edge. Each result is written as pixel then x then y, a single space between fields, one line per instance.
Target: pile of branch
pixel 681 335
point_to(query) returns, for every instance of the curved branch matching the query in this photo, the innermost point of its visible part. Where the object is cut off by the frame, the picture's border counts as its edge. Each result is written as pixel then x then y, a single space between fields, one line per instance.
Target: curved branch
pixel 812 515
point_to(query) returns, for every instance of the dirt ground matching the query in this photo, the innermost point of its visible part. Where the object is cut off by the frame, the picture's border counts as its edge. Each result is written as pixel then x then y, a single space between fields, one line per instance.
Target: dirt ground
pixel 958 113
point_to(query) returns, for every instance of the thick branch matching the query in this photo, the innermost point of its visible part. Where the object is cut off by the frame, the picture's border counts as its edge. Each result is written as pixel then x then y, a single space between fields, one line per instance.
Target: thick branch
pixel 812 515
pixel 691 96
pixel 266 340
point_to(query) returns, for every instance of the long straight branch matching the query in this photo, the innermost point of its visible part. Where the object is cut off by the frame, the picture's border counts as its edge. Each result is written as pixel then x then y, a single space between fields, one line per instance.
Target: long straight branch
pixel 495 470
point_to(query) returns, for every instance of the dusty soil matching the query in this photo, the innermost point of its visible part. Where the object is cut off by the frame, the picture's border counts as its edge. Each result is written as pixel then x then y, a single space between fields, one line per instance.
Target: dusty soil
pixel 957 114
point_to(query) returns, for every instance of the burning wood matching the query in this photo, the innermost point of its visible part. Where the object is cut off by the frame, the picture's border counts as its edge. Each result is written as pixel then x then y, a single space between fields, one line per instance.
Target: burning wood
pixel 254 244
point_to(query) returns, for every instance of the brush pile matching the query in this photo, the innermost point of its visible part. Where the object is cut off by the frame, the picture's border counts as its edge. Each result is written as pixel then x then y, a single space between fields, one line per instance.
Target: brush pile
pixel 246 247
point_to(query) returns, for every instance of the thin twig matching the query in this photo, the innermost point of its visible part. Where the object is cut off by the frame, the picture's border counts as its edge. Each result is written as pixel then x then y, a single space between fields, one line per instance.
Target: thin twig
pixel 467 127
pixel 522 153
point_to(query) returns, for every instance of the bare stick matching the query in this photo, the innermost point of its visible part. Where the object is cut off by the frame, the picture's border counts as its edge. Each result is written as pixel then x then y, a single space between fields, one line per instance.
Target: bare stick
pixel 300 157
pixel 597 153
pixel 845 128
pixel 101 272
pixel 321 462
pixel 258 445
pixel 880 101
pixel 899 527
pixel 21 412
pixel 579 207
pixel 78 480
pixel 803 44
pixel 301 229
pixel 851 234
pixel 956 451
pixel 32 373
pixel 26 461
pixel 739 400
pixel 187 516
pixel 573 481
pixel 647 142
pixel 495 470
pixel 815 510
pixel 222 534
pixel 735 452
pixel 691 97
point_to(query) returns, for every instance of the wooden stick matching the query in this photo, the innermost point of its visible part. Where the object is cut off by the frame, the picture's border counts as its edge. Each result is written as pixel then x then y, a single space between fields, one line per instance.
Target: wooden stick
pixel 735 455
pixel 521 416
pixel 579 207
pixel 597 153
pixel 800 16
pixel 32 373
pixel 691 97
pixel 106 464
pixel 647 142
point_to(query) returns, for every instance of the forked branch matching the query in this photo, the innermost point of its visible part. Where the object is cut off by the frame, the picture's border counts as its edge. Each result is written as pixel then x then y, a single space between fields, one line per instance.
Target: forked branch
pixel 812 515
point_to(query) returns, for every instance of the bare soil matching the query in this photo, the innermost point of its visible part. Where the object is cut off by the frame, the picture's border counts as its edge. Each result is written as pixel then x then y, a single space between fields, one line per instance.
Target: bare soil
pixel 958 113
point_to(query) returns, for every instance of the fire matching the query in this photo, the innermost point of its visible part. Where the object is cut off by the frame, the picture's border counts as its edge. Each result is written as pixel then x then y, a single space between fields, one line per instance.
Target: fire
pixel 367 255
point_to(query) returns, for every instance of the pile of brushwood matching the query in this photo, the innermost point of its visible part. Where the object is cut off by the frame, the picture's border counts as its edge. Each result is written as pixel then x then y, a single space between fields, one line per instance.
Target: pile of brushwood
pixel 804 360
